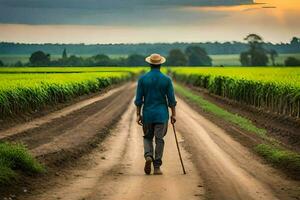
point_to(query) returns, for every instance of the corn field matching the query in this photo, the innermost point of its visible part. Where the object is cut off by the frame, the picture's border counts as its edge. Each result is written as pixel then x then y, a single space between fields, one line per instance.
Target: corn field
pixel 274 90
pixel 27 92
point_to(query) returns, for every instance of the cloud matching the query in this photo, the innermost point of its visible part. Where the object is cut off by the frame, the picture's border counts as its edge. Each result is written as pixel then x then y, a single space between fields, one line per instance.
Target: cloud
pixel 102 12
pixel 116 4
pixel 106 21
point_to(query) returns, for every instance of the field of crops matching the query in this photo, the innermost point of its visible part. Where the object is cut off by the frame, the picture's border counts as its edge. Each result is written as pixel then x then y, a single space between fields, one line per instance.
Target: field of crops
pixel 30 89
pixel 273 89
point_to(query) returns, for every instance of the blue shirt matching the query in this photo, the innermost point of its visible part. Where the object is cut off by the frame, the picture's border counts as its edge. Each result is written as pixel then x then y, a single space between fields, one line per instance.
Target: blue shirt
pixel 155 92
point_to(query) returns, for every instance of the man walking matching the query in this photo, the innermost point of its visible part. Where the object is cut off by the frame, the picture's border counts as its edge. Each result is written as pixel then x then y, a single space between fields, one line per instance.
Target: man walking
pixel 155 94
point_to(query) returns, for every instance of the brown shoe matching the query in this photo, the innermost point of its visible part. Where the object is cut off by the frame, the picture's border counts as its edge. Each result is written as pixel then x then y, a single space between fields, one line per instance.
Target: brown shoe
pixel 148 163
pixel 157 171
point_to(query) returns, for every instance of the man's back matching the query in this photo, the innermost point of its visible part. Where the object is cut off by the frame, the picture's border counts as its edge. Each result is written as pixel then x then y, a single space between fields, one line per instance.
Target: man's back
pixel 155 92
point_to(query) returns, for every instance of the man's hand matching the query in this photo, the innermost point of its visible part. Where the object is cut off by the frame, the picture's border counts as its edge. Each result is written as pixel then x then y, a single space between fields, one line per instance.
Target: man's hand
pixel 173 119
pixel 139 120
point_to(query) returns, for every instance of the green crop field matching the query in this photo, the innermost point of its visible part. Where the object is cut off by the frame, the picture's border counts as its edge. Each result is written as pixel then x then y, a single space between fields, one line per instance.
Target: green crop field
pixel 29 89
pixel 272 89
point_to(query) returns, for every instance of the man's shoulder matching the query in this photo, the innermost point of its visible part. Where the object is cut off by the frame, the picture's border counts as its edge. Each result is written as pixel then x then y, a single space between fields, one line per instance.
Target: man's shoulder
pixel 142 76
pixel 161 75
pixel 166 77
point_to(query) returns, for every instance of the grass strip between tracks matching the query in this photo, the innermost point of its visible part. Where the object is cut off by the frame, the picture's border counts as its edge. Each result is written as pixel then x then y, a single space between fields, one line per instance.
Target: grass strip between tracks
pixel 207 106
pixel 271 151
pixel 16 158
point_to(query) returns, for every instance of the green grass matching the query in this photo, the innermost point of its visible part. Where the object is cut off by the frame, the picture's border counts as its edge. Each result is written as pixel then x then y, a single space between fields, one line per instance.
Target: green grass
pixel 279 157
pixel 15 158
pixel 243 123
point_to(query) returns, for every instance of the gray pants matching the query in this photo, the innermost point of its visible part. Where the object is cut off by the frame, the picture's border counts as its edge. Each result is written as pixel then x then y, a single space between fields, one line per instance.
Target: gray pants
pixel 157 130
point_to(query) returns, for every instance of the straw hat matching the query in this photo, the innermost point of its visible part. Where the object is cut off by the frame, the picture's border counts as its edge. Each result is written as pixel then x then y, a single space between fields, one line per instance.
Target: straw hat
pixel 155 59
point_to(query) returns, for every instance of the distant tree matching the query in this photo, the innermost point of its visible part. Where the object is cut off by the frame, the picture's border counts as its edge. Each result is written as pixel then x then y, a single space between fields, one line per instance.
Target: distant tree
pixel 18 64
pixel 75 61
pixel 295 41
pixel 176 58
pixel 273 54
pixel 39 58
pixel 256 55
pixel 1 63
pixel 121 61
pixel 64 54
pixel 291 61
pixel 259 58
pixel 136 60
pixel 89 61
pixel 197 56
pixel 253 40
pixel 102 60
pixel 245 59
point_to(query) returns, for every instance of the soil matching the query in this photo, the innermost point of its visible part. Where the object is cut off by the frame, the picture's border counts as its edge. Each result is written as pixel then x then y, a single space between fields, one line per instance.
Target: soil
pixel 92 156
pixel 21 118
pixel 284 128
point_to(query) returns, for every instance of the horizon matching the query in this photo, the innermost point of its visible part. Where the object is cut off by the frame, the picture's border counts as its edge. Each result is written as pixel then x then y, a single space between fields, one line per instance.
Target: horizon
pixel 116 22
pixel 139 43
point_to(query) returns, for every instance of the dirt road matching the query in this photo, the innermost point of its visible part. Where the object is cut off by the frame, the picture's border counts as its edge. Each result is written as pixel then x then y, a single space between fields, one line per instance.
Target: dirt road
pixel 217 166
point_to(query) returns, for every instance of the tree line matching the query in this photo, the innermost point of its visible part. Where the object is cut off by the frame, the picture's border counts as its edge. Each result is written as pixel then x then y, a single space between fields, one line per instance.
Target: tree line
pixel 192 56
pixel 40 58
pixel 257 54
pixel 212 48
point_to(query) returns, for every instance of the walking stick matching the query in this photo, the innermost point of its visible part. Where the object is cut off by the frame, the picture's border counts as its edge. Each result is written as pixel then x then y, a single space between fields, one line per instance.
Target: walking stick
pixel 183 169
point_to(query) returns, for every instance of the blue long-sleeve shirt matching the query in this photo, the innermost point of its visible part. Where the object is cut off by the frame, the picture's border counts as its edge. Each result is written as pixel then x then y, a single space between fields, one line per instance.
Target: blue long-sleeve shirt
pixel 155 93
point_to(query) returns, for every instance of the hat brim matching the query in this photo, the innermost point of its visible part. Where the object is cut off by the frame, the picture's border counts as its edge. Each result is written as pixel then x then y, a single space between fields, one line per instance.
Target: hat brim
pixel 162 61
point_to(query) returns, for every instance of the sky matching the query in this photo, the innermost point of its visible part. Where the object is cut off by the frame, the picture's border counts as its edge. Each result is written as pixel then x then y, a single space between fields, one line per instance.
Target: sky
pixel 135 21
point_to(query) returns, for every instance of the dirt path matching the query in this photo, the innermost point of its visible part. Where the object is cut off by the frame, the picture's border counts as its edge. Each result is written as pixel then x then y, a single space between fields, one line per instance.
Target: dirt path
pixel 120 175
pixel 229 170
pixel 217 166
pixel 57 115
pixel 72 127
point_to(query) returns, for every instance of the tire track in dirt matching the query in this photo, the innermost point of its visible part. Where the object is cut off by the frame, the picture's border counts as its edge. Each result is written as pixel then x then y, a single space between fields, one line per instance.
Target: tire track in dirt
pixel 230 171
pixel 218 167
pixel 36 123
pixel 66 130
pixel 120 175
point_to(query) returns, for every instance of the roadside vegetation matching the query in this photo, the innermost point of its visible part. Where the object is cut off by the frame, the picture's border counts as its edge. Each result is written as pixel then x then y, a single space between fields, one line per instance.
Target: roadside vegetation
pixel 243 123
pixel 15 158
pixel 271 89
pixel 280 157
pixel 270 150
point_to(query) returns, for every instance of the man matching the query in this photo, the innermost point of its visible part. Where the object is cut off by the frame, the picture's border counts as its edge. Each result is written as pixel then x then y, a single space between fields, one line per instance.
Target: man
pixel 155 93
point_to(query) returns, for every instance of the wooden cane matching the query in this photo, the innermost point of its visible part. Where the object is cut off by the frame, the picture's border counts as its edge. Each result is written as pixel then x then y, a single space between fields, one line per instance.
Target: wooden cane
pixel 183 169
